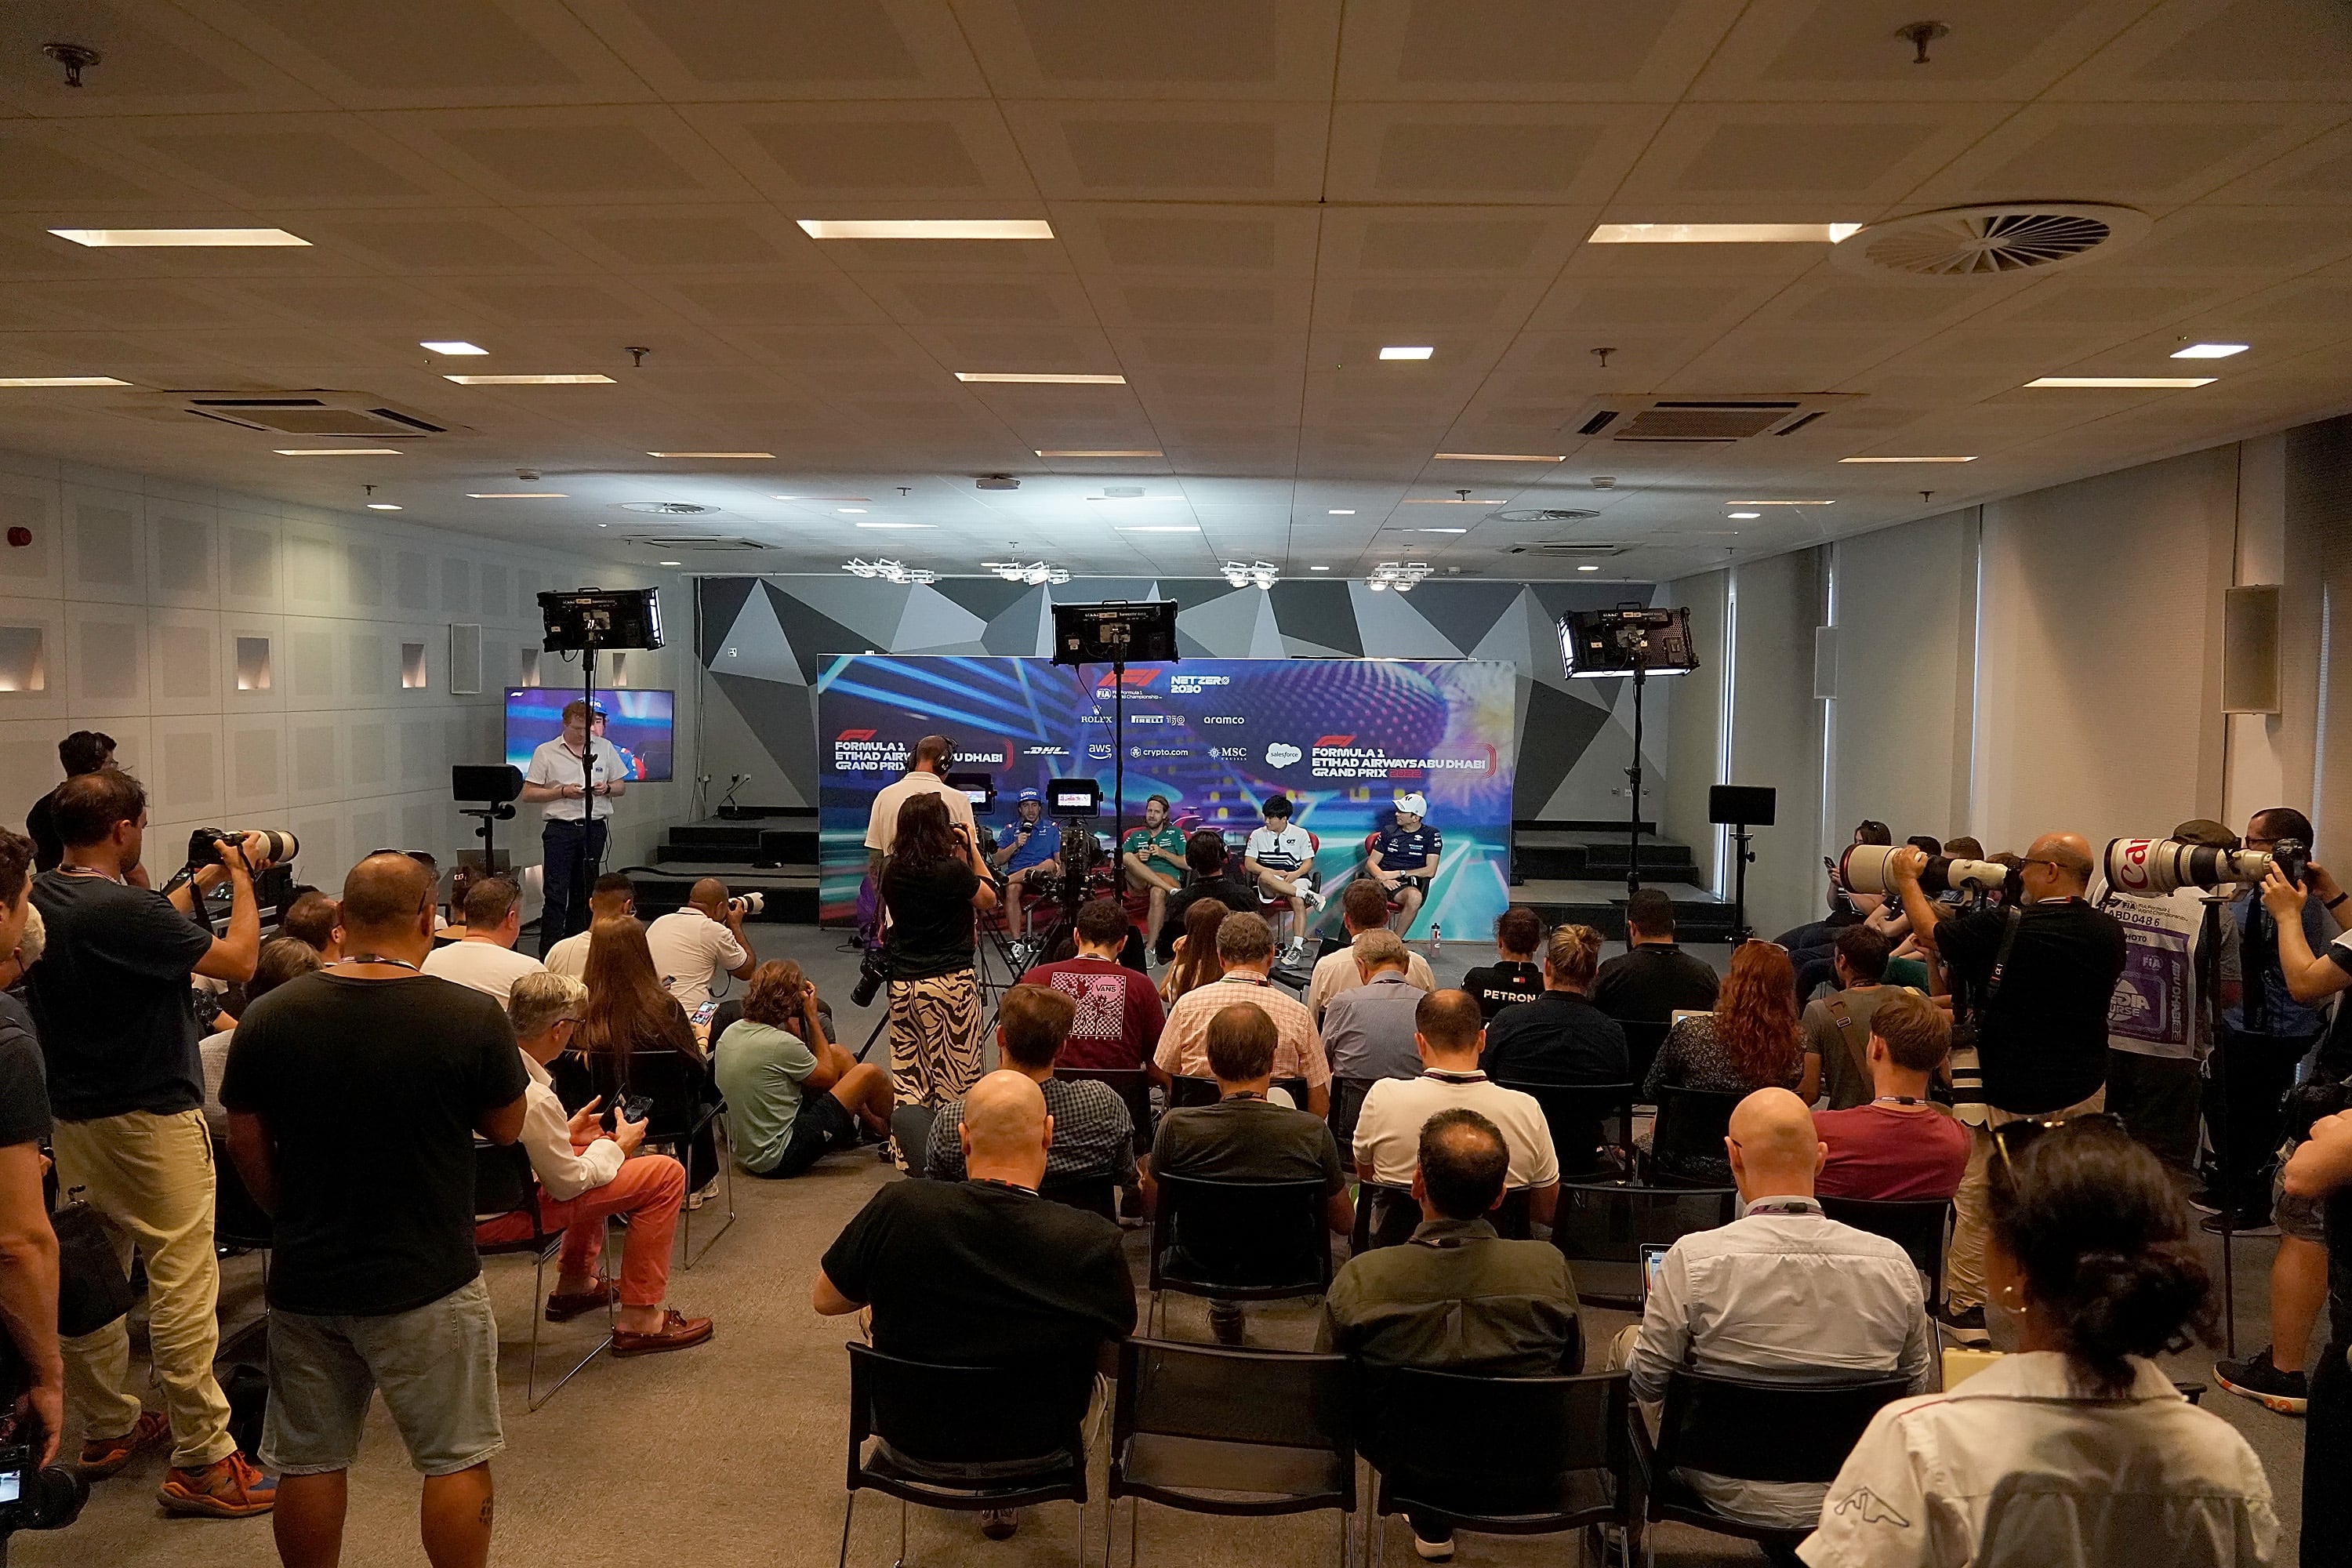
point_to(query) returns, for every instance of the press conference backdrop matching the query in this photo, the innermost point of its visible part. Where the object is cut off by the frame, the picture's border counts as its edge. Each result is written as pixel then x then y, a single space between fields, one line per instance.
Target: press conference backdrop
pixel 1343 737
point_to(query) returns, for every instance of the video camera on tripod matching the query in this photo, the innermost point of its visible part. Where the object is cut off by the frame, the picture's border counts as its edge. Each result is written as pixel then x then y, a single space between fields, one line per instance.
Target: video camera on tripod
pixel 2150 868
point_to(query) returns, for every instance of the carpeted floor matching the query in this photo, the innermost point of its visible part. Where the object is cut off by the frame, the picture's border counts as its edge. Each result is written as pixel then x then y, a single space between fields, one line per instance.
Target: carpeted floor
pixel 732 1453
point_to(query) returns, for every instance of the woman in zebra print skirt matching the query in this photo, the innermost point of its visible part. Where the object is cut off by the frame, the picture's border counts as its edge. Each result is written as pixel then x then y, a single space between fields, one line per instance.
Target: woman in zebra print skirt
pixel 934 882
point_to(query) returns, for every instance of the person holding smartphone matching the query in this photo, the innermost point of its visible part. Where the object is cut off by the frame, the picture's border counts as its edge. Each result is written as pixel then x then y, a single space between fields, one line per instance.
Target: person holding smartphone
pixel 935 883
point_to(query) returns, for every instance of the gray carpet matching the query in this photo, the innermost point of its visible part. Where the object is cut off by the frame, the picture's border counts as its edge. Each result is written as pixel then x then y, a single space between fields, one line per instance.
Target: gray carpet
pixel 732 1453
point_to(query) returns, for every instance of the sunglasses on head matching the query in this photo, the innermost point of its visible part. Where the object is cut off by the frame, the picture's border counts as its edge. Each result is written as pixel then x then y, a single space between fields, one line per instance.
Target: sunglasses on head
pixel 2012 1138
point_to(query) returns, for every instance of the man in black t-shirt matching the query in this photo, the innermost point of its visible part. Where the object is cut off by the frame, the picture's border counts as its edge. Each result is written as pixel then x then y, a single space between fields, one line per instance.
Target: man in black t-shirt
pixel 111 996
pixel 28 1261
pixel 1559 1036
pixel 983 1272
pixel 1653 977
pixel 354 1095
pixel 2043 1042
pixel 83 752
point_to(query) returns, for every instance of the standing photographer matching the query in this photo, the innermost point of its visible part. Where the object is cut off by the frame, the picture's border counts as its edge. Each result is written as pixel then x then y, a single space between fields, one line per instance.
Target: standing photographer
pixel 111 994
pixel 28 1247
pixel 568 776
pixel 2052 966
pixel 935 882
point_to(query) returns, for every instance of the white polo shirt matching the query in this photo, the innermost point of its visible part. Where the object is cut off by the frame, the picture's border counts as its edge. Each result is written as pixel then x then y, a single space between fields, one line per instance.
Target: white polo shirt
pixel 556 764
pixel 882 822
pixel 2019 1467
pixel 482 966
pixel 688 949
pixel 1387 1128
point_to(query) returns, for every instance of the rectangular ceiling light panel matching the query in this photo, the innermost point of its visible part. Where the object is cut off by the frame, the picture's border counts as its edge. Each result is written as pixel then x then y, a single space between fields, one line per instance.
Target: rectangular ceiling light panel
pixel 529 380
pixel 1138 452
pixel 2127 382
pixel 101 237
pixel 1497 458
pixel 1040 378
pixel 337 451
pixel 1720 233
pixel 926 228
pixel 1906 460
pixel 710 454
pixel 60 381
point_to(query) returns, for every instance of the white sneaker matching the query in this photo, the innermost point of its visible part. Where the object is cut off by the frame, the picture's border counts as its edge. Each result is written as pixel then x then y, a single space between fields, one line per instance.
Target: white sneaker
pixel 1435 1550
pixel 1314 896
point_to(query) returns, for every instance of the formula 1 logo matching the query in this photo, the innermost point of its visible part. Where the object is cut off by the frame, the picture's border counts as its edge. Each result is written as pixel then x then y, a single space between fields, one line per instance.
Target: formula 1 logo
pixel 1336 741
pixel 1281 754
pixel 854 735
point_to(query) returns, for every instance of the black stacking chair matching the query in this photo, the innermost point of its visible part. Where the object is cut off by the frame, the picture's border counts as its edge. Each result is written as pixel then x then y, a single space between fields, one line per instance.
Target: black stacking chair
pixel 1643 1043
pixel 1579 1115
pixel 1387 1215
pixel 1184 1093
pixel 1692 1125
pixel 686 1108
pixel 1236 1431
pixel 1095 1194
pixel 1917 1227
pixel 504 1184
pixel 1133 1085
pixel 1239 1241
pixel 964 1438
pixel 1600 1228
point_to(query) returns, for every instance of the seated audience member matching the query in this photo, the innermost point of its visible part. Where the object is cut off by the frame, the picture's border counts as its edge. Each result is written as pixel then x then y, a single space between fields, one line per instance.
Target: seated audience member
pixel 485 958
pixel 1367 1030
pixel 614 897
pixel 1515 976
pixel 282 958
pixel 586 1175
pixel 313 918
pixel 2319 1174
pixel 1363 907
pixel 694 945
pixel 1653 978
pixel 1195 963
pixel 1457 1298
pixel 1093 1133
pixel 1560 1036
pixel 1781 1295
pixel 1809 946
pixel 1897 1146
pixel 1749 1042
pixel 1837 1026
pixel 1119 1013
pixel 983 1272
pixel 1245 948
pixel 1026 854
pixel 629 1013
pixel 1242 1138
pixel 792 1096
pixel 1214 874
pixel 2076 1448
pixel 1447 1036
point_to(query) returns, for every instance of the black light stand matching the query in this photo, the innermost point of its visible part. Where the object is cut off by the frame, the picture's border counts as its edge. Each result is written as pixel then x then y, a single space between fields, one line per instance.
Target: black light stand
pixel 1634 775
pixel 1114 632
pixel 586 620
pixel 1631 640
pixel 1740 807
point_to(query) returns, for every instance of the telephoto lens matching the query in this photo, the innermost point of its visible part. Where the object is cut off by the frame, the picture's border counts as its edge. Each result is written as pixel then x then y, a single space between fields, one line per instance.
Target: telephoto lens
pixel 1863 869
pixel 2147 867
pixel 278 847
pixel 749 903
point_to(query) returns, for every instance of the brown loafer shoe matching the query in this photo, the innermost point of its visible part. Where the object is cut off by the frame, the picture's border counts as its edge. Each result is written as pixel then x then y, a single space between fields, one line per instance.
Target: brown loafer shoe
pixel 678 1331
pixel 562 1306
pixel 102 1457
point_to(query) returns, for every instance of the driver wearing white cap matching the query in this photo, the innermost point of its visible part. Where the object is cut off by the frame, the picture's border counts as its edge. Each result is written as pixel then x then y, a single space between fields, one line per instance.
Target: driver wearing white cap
pixel 1405 857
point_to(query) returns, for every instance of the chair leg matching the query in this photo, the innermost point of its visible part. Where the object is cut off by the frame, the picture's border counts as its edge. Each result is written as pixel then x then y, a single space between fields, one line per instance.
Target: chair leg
pixel 727 1179
pixel 901 1562
pixel 848 1513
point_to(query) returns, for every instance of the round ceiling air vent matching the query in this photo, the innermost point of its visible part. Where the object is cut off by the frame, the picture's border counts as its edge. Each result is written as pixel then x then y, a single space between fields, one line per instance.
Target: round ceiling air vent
pixel 1991 241
pixel 1548 514
pixel 669 507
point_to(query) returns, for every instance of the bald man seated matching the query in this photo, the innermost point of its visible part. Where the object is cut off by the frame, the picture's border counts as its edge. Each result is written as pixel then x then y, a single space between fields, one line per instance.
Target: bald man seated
pixel 2041 1042
pixel 1782 1294
pixel 983 1272
pixel 695 945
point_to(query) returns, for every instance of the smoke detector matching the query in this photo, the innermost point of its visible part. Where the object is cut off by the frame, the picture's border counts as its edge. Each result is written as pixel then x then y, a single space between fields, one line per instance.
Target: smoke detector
pixel 1991 241
pixel 996 482
pixel 669 508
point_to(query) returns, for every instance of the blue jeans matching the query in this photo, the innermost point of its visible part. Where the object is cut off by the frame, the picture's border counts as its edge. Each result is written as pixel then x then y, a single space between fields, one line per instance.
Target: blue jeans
pixel 566 880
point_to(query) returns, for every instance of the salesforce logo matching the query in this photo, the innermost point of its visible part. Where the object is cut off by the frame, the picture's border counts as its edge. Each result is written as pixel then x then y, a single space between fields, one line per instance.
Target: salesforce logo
pixel 1281 754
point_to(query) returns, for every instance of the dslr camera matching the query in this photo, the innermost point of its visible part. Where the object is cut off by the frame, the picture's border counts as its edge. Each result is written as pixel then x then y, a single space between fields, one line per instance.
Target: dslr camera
pixel 278 847
pixel 748 904
pixel 31 1498
pixel 873 971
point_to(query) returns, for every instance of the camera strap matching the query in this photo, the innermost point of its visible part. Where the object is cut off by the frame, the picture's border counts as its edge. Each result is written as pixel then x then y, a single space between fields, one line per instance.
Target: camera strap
pixel 1859 1049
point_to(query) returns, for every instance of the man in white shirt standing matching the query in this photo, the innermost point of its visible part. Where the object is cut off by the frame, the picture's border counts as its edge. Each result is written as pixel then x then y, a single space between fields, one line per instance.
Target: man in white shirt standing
pixel 484 959
pixel 614 897
pixel 926 774
pixel 569 775
pixel 1449 1032
pixel 1783 1294
pixel 586 1175
pixel 693 945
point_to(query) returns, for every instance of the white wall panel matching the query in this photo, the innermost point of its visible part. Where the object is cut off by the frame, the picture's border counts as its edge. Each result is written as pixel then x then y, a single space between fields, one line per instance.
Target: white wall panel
pixel 1906 620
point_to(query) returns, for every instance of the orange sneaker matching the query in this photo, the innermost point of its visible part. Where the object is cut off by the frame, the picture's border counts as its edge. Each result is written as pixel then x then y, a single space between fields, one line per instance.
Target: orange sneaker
pixel 102 1456
pixel 231 1488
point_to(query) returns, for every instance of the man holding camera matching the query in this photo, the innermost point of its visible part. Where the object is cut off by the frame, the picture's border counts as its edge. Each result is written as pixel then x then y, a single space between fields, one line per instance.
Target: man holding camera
pixel 2042 976
pixel 111 994
pixel 568 776
pixel 692 946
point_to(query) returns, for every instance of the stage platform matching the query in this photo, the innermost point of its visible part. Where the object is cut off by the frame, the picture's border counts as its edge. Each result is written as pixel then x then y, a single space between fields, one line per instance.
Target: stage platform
pixel 1699 915
pixel 773 854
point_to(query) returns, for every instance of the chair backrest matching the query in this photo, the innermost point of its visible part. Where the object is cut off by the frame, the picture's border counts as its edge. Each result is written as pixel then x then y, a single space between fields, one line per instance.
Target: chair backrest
pixel 503 1182
pixel 1692 1123
pixel 1643 1043
pixel 1216 1395
pixel 237 1219
pixel 1133 1086
pixel 1514 1218
pixel 1608 1221
pixel 1916 1226
pixel 1754 1431
pixel 1347 1106
pixel 1247 1235
pixel 1386 1216
pixel 1493 1445
pixel 1185 1093
pixel 574 1085
pixel 679 1087
pixel 964 1415
pixel 1576 1114
pixel 1095 1194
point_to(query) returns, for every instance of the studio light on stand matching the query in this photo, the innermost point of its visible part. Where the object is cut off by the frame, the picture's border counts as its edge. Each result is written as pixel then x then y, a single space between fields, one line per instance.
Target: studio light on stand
pixel 1115 632
pixel 1636 640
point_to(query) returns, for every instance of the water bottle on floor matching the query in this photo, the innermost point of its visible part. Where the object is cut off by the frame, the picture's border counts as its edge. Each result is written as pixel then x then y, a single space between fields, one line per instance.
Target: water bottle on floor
pixel 1436 938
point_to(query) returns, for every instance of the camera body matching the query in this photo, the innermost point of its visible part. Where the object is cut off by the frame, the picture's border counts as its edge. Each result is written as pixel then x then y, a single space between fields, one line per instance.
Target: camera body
pixel 873 972
pixel 749 903
pixel 2293 857
pixel 202 844
pixel 31 1498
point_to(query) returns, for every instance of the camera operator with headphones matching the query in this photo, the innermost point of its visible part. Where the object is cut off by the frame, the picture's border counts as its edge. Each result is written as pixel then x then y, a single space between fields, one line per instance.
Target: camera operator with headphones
pixel 118 1028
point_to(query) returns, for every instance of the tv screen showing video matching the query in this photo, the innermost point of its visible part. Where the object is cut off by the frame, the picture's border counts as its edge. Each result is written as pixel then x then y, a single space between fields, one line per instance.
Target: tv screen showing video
pixel 640 725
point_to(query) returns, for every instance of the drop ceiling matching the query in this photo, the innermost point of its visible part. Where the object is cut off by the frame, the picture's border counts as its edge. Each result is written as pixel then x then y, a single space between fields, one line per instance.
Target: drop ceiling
pixel 1249 198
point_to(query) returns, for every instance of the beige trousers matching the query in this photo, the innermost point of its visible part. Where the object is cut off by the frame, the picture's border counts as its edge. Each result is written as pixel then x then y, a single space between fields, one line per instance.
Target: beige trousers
pixel 152 1176
pixel 1964 1264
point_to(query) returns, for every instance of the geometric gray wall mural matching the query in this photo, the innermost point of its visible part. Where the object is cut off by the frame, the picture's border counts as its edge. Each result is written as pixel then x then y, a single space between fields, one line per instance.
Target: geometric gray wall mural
pixel 764 639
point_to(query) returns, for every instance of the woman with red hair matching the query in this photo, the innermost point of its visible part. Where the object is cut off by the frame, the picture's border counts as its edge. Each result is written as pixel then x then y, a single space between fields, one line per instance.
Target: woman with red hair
pixel 1749 1042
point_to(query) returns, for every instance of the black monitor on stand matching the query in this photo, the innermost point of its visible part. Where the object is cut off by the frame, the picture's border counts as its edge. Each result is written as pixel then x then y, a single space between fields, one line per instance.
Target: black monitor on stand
pixel 1740 807
pixel 1117 632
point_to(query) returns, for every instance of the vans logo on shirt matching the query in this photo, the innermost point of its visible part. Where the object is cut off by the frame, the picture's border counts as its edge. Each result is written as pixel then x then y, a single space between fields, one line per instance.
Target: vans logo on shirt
pixel 1873 1508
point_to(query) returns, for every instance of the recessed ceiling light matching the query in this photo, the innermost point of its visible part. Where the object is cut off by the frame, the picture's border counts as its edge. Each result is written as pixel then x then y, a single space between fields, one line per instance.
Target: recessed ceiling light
pixel 1041 378
pixel 1906 460
pixel 516 495
pixel 2133 382
pixel 710 454
pixel 337 451
pixel 1747 514
pixel 451 346
pixel 1319 568
pixel 1720 233
pixel 1067 452
pixel 1779 503
pixel 1441 531
pixel 2210 351
pixel 669 564
pixel 1496 458
pixel 898 525
pixel 127 237
pixel 851 510
pixel 527 380
pixel 1587 568
pixel 1343 511
pixel 60 381
pixel 383 506
pixel 1159 528
pixel 926 228
pixel 1396 351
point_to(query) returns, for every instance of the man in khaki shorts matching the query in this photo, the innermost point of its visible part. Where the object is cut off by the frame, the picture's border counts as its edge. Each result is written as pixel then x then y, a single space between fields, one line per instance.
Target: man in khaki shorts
pixel 354 1095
